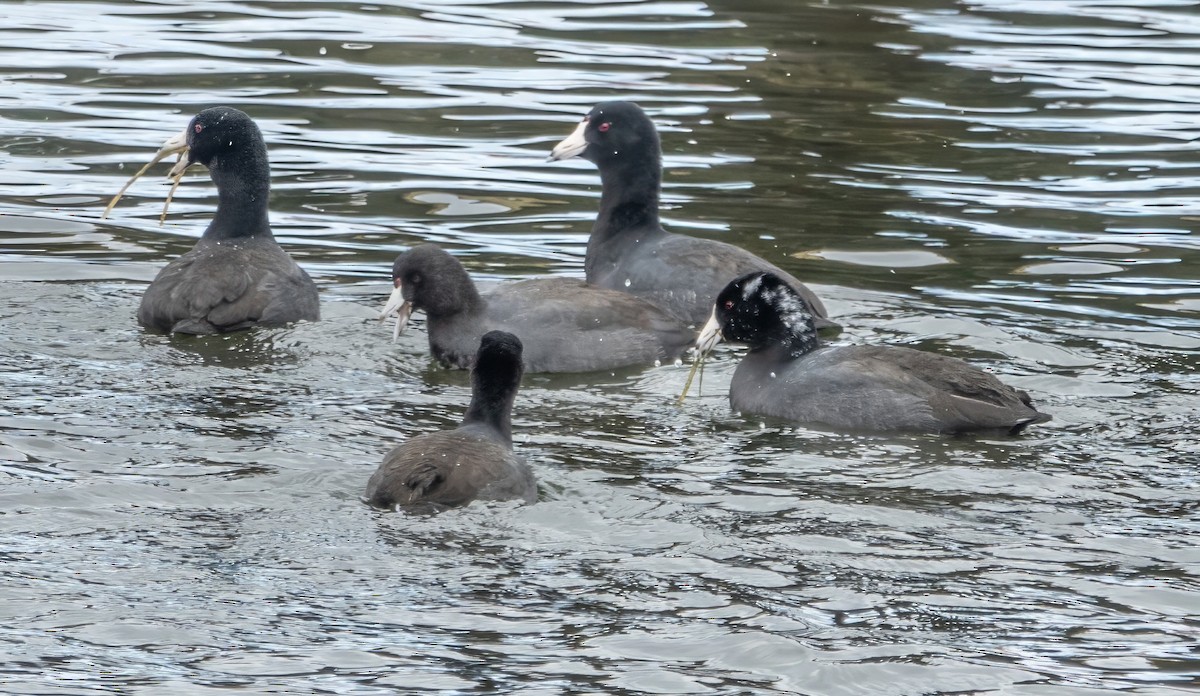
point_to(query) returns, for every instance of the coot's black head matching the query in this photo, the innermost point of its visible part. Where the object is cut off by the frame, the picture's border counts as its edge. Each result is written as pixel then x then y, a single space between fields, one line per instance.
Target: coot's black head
pixel 762 311
pixel 230 145
pixel 499 357
pixel 495 378
pixel 612 132
pixel 434 281
pixel 221 138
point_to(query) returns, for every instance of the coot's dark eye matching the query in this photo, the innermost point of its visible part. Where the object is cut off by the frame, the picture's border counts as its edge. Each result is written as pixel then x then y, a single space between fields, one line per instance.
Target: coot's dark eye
pixel 199 127
pixel 728 305
pixel 603 127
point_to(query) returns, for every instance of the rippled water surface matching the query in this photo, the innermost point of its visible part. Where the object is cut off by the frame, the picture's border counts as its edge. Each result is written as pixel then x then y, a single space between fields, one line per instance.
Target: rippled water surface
pixel 1013 182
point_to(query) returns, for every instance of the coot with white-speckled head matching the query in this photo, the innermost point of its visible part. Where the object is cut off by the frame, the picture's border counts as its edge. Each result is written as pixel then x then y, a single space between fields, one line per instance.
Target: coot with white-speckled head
pixel 236 276
pixel 628 249
pixel 474 461
pixel 789 374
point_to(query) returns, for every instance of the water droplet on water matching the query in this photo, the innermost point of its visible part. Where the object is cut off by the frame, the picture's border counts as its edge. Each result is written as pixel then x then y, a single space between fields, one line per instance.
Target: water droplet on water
pixel 658 363
pixel 628 282
pixel 772 375
pixel 321 50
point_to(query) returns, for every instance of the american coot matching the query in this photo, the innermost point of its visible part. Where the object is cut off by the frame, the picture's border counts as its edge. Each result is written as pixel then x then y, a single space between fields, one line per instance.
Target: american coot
pixel 475 460
pixel 628 249
pixel 789 374
pixel 566 324
pixel 236 276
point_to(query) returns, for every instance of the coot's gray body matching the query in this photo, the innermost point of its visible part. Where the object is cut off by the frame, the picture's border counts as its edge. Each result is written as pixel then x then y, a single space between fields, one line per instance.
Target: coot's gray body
pixel 565 324
pixel 237 275
pixel 789 374
pixel 474 461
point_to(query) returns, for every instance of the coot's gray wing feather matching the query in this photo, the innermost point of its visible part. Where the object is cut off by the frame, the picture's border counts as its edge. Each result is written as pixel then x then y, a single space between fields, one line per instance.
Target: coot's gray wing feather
pixel 449 468
pixel 575 303
pixel 965 397
pixel 271 296
pixel 555 315
pixel 838 394
pixel 896 388
pixel 187 289
pixel 880 388
pixel 684 275
pixel 216 288
pixel 518 483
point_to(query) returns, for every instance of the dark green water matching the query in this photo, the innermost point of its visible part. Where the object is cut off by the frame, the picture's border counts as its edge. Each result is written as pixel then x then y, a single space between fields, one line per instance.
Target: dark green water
pixel 1013 182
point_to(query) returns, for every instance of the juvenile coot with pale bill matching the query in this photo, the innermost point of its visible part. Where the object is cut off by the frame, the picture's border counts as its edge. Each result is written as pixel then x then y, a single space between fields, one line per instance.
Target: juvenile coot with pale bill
pixel 566 324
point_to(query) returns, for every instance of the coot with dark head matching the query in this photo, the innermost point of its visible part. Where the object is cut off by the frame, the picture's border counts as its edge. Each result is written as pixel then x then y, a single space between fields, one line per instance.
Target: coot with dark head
pixel 566 324
pixel 628 249
pixel 474 461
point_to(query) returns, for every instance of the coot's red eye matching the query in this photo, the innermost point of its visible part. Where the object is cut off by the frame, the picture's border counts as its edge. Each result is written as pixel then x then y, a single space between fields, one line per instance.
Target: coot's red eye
pixel 603 127
pixel 728 304
pixel 199 127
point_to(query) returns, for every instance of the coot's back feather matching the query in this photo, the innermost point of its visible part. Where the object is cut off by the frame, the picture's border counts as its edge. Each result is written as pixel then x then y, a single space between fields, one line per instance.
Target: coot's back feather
pixel 450 468
pixel 227 286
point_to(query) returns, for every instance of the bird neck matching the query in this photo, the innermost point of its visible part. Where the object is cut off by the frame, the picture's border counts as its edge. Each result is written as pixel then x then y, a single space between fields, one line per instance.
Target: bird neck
pixel 243 190
pixel 629 200
pixel 491 404
pixel 794 336
pixel 453 295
